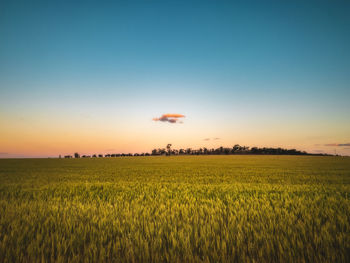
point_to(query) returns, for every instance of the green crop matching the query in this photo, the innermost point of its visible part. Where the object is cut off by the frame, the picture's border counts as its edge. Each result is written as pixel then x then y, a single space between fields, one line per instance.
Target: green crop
pixel 176 209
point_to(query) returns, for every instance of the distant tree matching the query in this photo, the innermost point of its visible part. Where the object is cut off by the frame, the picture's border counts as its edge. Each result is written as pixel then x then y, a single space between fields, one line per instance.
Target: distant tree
pixel 205 150
pixel 76 155
pixel 162 151
pixel 254 150
pixel 235 148
pixel 94 156
pixel 168 147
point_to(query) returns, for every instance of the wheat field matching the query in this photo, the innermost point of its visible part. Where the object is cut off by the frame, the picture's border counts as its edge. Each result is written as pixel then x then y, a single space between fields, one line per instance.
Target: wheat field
pixel 175 209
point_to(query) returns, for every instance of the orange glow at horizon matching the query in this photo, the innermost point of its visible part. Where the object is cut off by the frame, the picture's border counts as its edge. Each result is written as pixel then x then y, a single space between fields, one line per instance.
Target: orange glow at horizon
pixel 41 136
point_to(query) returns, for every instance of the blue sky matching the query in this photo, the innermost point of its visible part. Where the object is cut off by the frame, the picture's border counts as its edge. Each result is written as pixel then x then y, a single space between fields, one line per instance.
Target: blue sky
pixel 266 73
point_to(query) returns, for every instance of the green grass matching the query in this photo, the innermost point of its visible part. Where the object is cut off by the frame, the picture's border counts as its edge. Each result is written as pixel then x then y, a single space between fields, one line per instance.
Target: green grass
pixel 176 209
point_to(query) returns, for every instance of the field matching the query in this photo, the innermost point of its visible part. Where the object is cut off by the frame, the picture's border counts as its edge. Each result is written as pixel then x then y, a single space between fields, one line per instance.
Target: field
pixel 176 209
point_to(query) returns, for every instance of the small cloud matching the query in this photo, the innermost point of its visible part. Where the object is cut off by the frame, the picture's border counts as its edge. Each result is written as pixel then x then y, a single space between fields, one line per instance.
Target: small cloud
pixel 3 153
pixel 208 139
pixel 337 144
pixel 170 117
pixel 318 151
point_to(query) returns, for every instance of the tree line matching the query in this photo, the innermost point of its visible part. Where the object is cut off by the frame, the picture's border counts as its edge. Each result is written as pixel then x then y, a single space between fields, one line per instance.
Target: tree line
pixel 236 149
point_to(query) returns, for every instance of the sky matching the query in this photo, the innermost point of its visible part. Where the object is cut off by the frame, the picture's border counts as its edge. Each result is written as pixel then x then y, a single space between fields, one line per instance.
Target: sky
pixel 101 76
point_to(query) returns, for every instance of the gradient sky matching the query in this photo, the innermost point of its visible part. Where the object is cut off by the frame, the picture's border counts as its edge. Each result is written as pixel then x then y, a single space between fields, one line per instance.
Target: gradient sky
pixel 89 76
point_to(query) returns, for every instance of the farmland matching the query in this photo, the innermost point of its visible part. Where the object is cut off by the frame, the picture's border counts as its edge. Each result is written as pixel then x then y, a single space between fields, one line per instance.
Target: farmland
pixel 175 209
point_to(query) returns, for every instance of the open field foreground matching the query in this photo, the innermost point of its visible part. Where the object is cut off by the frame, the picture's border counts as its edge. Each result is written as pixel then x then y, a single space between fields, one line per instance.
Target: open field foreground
pixel 176 209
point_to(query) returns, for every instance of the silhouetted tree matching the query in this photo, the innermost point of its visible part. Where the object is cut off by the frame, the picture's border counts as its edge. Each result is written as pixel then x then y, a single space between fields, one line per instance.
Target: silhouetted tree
pixel 168 147
pixel 162 151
